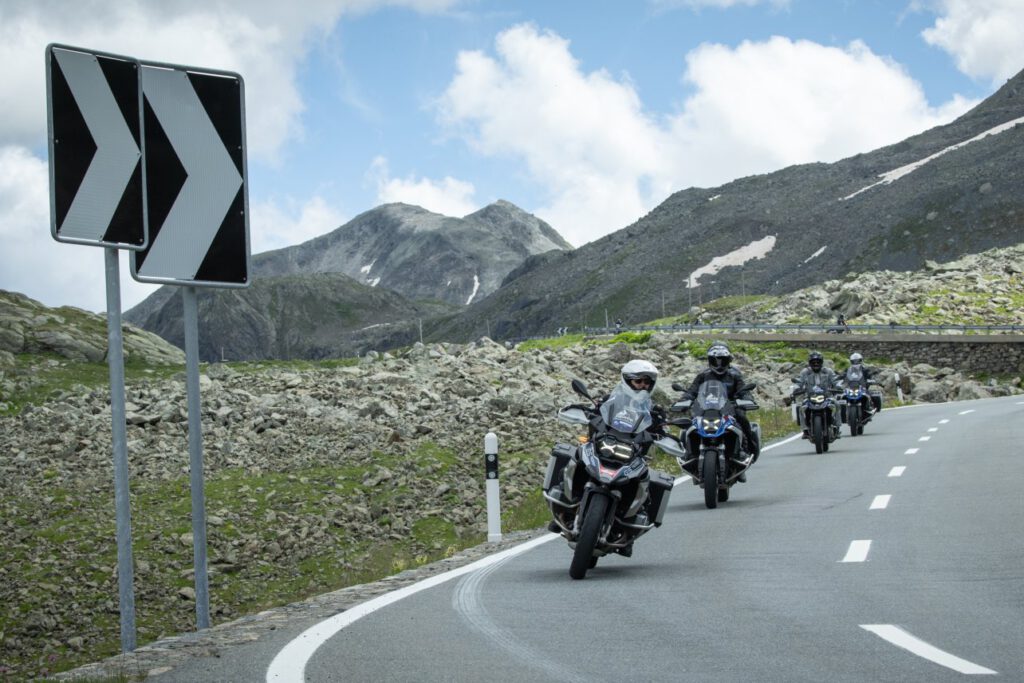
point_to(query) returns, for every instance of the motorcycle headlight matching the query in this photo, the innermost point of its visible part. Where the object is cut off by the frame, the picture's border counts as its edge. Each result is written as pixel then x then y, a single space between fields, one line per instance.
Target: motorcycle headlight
pixel 711 425
pixel 614 450
pixel 817 399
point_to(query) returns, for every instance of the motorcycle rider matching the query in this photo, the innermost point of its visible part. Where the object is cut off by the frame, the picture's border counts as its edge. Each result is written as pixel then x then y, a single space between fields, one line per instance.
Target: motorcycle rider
pixel 638 378
pixel 816 374
pixel 857 361
pixel 720 368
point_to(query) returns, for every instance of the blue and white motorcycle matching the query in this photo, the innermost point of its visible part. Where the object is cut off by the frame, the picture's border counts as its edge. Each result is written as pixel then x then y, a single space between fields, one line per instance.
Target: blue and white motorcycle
pixel 714 456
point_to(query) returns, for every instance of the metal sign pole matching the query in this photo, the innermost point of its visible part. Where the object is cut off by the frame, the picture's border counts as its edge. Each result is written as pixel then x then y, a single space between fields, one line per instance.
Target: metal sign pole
pixel 195 452
pixel 122 502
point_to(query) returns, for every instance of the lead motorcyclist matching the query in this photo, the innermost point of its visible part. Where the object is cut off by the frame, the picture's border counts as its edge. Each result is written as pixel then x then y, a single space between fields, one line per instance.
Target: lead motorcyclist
pixel 816 374
pixel 719 367
pixel 638 380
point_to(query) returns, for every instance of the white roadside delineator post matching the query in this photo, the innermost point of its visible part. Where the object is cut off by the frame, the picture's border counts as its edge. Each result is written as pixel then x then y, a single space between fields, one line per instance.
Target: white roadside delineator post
pixel 493 497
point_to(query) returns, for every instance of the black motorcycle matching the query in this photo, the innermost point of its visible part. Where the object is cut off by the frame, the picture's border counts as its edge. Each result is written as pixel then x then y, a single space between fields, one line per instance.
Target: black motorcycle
pixel 818 417
pixel 601 492
pixel 715 456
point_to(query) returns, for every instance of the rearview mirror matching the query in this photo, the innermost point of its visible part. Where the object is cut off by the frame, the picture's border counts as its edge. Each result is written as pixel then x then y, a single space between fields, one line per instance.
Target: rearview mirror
pixel 670 446
pixel 580 388
pixel 573 416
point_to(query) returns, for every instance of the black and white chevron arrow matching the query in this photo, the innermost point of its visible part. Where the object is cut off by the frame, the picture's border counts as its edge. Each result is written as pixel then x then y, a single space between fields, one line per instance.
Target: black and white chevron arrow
pixel 195 178
pixel 94 112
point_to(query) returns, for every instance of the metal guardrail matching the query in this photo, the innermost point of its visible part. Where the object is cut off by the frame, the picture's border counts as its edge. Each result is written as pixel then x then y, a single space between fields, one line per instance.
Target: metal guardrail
pixel 818 327
pixel 854 329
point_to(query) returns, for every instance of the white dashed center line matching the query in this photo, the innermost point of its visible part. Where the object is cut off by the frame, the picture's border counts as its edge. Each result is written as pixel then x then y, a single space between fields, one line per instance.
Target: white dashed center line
pixel 943 421
pixel 880 502
pixel 897 471
pixel 910 451
pixel 964 412
pixel 933 429
pixel 858 551
pixel 925 438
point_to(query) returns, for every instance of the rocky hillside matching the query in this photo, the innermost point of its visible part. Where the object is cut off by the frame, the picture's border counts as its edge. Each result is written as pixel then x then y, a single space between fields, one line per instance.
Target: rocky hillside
pixel 950 191
pixel 978 289
pixel 345 291
pixel 27 326
pixel 322 315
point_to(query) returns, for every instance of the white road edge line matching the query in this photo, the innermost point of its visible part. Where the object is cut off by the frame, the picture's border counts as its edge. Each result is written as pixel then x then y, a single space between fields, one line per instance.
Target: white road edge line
pixel 880 502
pixel 910 451
pixel 897 471
pixel 858 551
pixel 914 645
pixel 289 665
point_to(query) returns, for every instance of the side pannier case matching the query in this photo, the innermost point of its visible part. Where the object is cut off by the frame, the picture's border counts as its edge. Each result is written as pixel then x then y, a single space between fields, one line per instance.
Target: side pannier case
pixel 661 487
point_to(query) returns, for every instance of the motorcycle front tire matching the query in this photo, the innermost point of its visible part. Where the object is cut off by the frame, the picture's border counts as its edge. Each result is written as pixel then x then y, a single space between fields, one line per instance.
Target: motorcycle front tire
pixel 853 417
pixel 818 433
pixel 709 475
pixel 593 520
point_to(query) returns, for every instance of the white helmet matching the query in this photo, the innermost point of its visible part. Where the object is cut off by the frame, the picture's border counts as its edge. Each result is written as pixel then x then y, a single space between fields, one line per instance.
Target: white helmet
pixel 636 369
pixel 856 358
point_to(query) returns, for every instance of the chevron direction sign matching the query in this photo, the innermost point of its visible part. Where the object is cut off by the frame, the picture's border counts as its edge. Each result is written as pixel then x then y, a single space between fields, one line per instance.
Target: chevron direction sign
pixel 97 178
pixel 196 180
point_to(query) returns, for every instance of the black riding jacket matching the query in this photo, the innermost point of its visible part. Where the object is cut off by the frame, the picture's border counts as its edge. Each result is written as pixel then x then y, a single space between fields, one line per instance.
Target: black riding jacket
pixel 732 379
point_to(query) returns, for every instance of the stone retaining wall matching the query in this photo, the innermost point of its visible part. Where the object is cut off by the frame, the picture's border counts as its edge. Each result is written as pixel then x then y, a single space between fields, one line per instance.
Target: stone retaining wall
pixel 997 354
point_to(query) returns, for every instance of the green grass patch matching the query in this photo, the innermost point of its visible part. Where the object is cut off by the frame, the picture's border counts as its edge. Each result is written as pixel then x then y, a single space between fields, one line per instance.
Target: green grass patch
pixel 39 378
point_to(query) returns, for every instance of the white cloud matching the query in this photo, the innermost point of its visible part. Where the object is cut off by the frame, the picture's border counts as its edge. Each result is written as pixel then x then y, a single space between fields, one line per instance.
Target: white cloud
pixel 448 196
pixel 985 37
pixel 31 261
pixel 766 105
pixel 604 161
pixel 274 226
pixel 264 40
pixel 584 137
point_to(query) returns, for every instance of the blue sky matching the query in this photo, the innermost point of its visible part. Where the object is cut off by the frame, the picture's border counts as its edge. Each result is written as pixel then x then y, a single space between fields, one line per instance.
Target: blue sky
pixel 587 114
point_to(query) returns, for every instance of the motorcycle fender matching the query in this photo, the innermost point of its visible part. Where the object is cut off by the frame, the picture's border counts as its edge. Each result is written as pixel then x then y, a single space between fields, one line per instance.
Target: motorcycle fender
pixel 588 493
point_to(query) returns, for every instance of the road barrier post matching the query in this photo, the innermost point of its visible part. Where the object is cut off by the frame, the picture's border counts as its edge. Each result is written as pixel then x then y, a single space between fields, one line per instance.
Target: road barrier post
pixel 493 498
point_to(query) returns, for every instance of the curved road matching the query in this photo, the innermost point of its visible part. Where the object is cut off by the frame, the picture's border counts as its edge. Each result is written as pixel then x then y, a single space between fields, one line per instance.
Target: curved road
pixel 897 556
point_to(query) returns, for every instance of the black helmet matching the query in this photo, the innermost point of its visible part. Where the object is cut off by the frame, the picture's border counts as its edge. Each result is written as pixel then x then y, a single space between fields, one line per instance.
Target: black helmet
pixel 719 358
pixel 815 361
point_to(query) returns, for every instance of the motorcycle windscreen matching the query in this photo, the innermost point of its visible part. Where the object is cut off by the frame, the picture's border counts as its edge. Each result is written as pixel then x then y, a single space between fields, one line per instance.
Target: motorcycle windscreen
pixel 627 411
pixel 712 395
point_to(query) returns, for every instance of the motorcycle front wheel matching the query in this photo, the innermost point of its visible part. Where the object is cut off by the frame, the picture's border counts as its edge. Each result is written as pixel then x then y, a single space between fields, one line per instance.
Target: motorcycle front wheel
pixel 583 556
pixel 709 475
pixel 818 433
pixel 853 417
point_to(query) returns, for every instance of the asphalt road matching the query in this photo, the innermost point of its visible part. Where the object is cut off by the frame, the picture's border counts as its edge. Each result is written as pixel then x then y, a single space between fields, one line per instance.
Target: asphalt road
pixel 897 556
